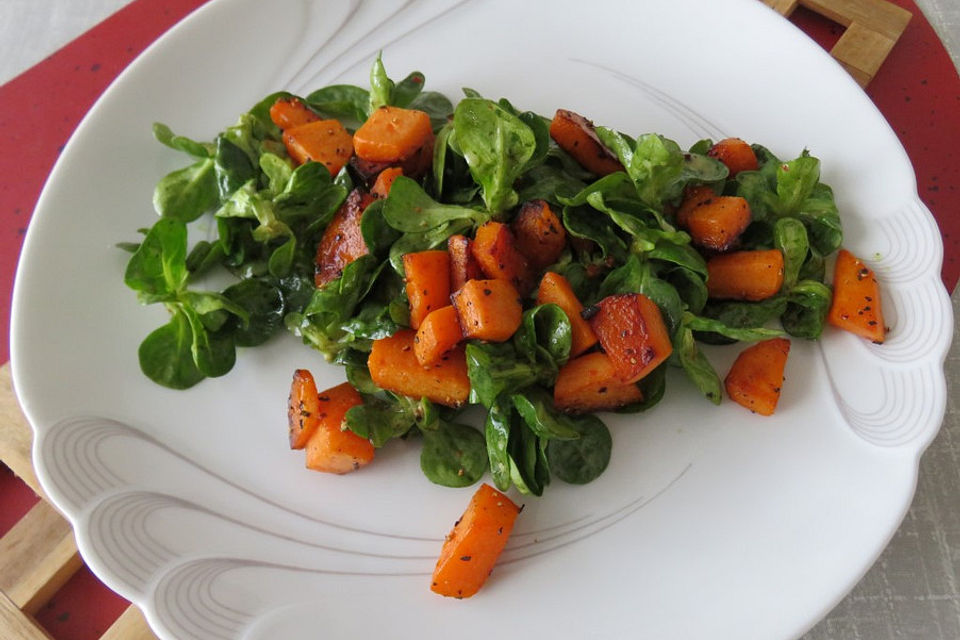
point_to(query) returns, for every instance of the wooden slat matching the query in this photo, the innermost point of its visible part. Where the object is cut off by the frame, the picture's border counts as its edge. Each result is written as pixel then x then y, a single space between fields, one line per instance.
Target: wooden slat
pixel 16 436
pixel 861 51
pixel 881 16
pixel 783 7
pixel 131 625
pixel 37 556
pixel 15 624
pixel 873 27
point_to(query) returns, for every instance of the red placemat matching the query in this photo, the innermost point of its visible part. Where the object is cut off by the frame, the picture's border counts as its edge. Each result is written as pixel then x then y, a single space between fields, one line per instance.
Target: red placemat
pixel 917 89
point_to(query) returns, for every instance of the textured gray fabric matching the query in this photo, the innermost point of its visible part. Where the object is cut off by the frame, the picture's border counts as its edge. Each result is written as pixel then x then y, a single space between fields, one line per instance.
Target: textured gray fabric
pixel 913 590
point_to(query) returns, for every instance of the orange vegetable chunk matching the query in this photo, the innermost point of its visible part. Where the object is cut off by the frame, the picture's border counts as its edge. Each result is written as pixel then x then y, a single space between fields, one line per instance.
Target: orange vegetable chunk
pixel 745 275
pixel 427 275
pixel 303 408
pixel 419 163
pixel 736 154
pixel 714 222
pixel 856 299
pixel 471 549
pixel 632 332
pixel 331 448
pixel 756 377
pixel 539 234
pixel 381 187
pixel 394 366
pixel 392 134
pixel 555 289
pixel 576 135
pixel 323 141
pixel 591 383
pixel 290 112
pixel 342 241
pixel 488 309
pixel 463 265
pixel 438 333
pixel 496 251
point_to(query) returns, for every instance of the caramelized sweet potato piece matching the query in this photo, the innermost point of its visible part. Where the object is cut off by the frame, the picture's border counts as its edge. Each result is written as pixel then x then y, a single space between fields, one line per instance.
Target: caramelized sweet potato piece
pixel 745 275
pixel 303 408
pixel 392 134
pixel 591 383
pixel 756 377
pixel 539 234
pixel 555 289
pixel 496 251
pixel 427 275
pixel 463 264
pixel 419 162
pixel 471 550
pixel 714 222
pixel 324 141
pixel 575 134
pixel 369 171
pixel 856 299
pixel 290 112
pixel 488 310
pixel 381 187
pixel 342 242
pixel 438 333
pixel 394 366
pixel 330 448
pixel 632 332
pixel 736 154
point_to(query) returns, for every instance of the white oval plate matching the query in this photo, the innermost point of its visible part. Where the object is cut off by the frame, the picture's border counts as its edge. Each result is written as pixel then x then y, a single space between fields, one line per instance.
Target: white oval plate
pixel 710 522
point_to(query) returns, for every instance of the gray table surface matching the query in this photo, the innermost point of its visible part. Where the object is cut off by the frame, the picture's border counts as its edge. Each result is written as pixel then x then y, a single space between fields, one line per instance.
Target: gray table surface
pixel 913 590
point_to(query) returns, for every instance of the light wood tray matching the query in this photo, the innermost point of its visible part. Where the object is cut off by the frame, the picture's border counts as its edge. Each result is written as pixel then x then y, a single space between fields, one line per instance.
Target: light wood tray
pixel 872 28
pixel 39 554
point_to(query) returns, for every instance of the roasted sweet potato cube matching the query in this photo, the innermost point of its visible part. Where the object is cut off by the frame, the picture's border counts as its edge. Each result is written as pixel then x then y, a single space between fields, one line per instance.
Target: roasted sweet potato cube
pixel 496 251
pixel 632 332
pixel 856 299
pixel 745 275
pixel 576 135
pixel 417 164
pixel 331 448
pixel 303 408
pixel 714 222
pixel 488 309
pixel 463 264
pixel 368 171
pixel 438 333
pixel 471 550
pixel 539 233
pixel 290 112
pixel 427 275
pixel 555 289
pixel 591 383
pixel 381 186
pixel 342 242
pixel 324 141
pixel 756 377
pixel 392 134
pixel 736 154
pixel 394 366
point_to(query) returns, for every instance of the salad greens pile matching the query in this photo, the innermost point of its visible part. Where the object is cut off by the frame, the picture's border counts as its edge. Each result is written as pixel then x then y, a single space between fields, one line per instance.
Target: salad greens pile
pixel 489 156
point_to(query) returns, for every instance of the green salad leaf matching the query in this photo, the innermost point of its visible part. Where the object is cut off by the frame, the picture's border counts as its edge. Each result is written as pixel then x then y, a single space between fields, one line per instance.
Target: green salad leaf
pixel 256 218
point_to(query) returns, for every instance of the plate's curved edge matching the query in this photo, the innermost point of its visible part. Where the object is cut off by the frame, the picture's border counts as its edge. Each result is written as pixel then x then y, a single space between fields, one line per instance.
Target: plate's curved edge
pixel 908 404
pixel 63 158
pixel 921 440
